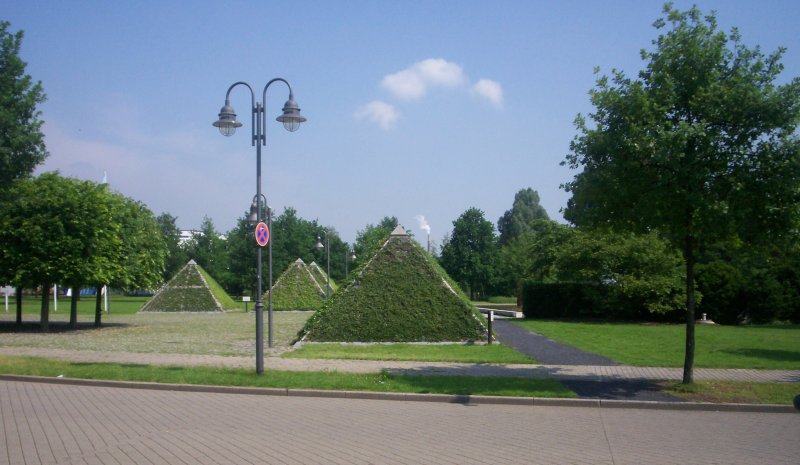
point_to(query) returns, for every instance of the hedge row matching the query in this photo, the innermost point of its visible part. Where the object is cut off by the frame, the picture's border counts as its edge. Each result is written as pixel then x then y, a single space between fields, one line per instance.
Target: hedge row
pixel 587 300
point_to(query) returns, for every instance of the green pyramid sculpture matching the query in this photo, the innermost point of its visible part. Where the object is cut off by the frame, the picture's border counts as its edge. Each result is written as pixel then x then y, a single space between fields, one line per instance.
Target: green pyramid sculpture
pixel 298 289
pixel 321 276
pixel 400 295
pixel 190 290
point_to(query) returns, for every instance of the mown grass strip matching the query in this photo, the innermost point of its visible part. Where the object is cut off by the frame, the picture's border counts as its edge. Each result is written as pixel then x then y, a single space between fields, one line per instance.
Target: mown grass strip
pixel 377 382
pixel 495 353
pixel 774 347
pixel 734 392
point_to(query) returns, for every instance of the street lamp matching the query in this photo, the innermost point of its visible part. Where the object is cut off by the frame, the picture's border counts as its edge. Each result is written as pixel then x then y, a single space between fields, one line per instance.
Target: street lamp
pixel 327 246
pixel 347 258
pixel 227 125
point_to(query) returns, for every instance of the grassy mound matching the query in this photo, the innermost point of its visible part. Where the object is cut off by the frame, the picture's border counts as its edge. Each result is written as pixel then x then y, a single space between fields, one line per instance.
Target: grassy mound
pixel 297 289
pixel 190 290
pixel 400 295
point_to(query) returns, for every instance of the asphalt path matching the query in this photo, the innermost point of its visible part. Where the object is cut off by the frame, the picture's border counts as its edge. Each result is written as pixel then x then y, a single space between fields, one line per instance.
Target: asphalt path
pixel 549 352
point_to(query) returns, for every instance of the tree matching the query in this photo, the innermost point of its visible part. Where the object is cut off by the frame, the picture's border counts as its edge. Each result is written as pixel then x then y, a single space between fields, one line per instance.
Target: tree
pixel 700 147
pixel 207 248
pixel 520 219
pixel 629 276
pixel 531 256
pixel 55 230
pixel 21 139
pixel 372 237
pixel 176 255
pixel 470 255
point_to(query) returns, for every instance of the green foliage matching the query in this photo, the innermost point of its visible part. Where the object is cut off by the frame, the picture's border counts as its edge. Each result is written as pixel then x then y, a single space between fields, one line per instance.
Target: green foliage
pixel 207 248
pixel 399 295
pixel 470 254
pixel 321 276
pixel 219 293
pixel 701 147
pixel 626 272
pixel 372 237
pixel 521 218
pixel 59 229
pixel 21 140
pixel 144 250
pixel 297 289
pixel 722 286
pixel 176 255
pixel 531 256
pixel 191 290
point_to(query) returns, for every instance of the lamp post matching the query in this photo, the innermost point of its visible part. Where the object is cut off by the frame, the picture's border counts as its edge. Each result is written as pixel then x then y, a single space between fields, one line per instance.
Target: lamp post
pixel 327 246
pixel 252 220
pixel 227 124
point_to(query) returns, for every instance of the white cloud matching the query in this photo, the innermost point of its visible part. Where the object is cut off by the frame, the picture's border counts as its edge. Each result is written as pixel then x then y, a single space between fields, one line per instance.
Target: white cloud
pixel 413 82
pixel 381 113
pixel 490 90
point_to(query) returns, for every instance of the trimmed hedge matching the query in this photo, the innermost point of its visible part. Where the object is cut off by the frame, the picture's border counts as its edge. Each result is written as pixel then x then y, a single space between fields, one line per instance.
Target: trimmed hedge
pixel 400 295
pixel 586 300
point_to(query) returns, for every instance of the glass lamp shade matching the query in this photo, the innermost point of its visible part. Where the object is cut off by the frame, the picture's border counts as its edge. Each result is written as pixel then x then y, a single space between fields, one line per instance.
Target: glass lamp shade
pixel 227 123
pixel 291 117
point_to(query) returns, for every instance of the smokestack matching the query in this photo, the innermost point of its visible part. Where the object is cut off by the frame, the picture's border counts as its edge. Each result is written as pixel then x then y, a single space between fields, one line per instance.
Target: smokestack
pixel 423 225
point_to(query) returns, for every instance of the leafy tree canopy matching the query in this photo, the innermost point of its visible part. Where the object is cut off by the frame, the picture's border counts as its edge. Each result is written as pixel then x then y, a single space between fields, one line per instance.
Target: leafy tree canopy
pixel 470 254
pixel 700 147
pixel 21 140
pixel 520 219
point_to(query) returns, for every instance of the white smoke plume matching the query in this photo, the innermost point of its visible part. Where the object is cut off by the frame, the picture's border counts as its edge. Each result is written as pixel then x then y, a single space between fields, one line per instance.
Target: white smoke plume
pixel 423 225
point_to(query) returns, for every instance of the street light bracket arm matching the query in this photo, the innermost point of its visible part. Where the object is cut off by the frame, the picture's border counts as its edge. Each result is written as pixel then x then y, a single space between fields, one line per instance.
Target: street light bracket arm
pixel 252 106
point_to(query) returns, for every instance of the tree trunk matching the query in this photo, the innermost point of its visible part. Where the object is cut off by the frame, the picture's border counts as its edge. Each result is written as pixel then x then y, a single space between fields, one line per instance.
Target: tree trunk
pixel 688 363
pixel 19 306
pixel 98 308
pixel 73 307
pixel 44 320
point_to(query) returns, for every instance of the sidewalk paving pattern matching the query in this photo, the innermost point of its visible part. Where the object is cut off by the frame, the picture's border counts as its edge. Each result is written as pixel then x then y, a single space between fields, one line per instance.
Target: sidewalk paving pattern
pixel 86 425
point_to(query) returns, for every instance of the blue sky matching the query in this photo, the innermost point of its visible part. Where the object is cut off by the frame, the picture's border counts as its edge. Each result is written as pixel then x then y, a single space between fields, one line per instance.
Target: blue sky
pixel 414 107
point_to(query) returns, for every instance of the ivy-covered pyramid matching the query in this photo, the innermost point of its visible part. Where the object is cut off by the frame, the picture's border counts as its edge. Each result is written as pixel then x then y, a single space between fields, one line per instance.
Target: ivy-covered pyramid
pixel 321 276
pixel 298 289
pixel 400 295
pixel 190 290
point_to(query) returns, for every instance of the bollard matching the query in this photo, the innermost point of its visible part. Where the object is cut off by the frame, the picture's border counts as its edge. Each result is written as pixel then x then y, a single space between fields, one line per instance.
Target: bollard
pixel 491 319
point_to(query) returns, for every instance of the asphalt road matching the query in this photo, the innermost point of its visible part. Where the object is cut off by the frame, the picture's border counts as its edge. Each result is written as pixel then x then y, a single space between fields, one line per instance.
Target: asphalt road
pixel 65 424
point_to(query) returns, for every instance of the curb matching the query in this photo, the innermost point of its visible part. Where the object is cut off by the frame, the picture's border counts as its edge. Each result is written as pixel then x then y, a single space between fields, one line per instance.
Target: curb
pixel 413 397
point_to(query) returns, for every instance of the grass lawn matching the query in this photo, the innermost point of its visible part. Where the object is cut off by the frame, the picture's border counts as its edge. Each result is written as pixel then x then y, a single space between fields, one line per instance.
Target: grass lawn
pixel 124 330
pixel 734 392
pixel 378 382
pixel 763 347
pixel 495 353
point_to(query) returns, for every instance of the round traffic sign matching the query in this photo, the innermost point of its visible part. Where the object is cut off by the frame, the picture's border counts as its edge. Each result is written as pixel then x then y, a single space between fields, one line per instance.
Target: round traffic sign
pixel 262 234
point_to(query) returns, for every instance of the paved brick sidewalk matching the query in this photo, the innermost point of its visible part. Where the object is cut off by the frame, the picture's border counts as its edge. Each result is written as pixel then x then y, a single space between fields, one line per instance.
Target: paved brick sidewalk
pixel 561 372
pixel 85 425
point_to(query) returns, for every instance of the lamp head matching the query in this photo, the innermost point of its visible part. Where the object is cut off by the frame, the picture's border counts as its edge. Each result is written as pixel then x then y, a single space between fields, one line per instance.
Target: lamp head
pixel 291 117
pixel 319 245
pixel 227 123
pixel 252 218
